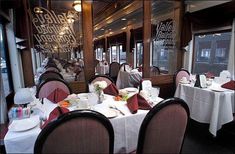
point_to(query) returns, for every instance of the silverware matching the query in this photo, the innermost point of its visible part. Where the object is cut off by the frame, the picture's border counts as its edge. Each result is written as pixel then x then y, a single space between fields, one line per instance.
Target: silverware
pixel 114 107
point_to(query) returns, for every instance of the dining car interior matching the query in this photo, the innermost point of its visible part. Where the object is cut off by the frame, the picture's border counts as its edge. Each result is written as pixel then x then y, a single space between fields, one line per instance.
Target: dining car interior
pixel 117 76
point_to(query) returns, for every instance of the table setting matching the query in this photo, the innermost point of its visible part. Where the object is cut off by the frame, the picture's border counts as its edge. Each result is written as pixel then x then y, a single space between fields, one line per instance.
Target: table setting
pixel 126 116
pixel 210 100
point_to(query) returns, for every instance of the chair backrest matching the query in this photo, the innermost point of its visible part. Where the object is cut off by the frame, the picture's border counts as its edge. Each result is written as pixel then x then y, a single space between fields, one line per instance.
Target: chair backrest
pixel 49 85
pixel 53 69
pixel 179 74
pixel 101 78
pixel 51 64
pixel 81 131
pixel 154 70
pixel 125 66
pixel 163 128
pixel 114 69
pixel 50 75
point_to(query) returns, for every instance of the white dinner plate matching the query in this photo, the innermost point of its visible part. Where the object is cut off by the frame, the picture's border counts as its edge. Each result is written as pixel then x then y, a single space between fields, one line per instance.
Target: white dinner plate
pixel 82 96
pixel 23 124
pixel 131 89
pixel 218 89
pixel 110 113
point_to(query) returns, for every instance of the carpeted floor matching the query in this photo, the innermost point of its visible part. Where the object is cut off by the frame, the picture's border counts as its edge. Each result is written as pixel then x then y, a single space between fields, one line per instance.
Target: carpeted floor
pixel 198 139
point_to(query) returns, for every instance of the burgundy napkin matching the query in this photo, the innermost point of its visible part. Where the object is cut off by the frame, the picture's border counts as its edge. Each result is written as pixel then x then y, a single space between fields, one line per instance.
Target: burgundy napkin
pixel 137 102
pixel 111 90
pixel 57 95
pixel 140 69
pixel 55 114
pixel 229 85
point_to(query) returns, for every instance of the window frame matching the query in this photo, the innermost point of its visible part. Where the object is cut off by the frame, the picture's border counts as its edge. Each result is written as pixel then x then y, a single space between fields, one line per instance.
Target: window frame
pixel 136 55
pixel 205 32
pixel 7 59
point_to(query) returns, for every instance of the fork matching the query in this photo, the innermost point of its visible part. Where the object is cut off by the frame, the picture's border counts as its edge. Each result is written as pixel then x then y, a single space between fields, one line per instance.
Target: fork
pixel 114 107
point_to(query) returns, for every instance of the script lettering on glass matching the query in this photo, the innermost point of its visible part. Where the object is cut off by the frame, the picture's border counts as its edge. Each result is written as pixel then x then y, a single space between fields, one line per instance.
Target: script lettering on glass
pixel 53 32
pixel 165 34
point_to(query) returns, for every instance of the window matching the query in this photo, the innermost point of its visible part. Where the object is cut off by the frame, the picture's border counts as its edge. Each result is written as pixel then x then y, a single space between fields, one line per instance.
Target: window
pixel 211 52
pixel 99 54
pixel 5 69
pixel 114 53
pixel 122 54
pixel 160 56
pixel 139 54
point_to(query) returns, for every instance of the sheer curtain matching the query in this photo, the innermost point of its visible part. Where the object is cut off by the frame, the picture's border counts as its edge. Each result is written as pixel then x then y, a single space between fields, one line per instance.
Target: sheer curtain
pixel 3 105
pixel 231 53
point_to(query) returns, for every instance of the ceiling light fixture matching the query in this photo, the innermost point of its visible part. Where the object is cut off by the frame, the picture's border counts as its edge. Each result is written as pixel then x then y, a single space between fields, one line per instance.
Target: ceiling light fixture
pixel 38 10
pixel 77 6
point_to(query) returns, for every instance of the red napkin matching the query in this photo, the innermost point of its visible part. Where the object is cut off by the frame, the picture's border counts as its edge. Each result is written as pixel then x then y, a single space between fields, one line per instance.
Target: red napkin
pixel 57 95
pixel 229 85
pixel 140 69
pixel 55 114
pixel 111 90
pixel 137 102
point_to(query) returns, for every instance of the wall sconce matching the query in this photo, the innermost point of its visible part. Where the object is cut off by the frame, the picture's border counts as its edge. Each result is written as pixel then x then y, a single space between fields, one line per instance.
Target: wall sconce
pixel 77 5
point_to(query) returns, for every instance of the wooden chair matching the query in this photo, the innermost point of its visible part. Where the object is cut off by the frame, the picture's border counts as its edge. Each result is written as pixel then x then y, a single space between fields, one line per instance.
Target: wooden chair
pixel 113 70
pixel 50 85
pixel 154 70
pixel 101 78
pixel 49 75
pixel 55 69
pixel 81 131
pixel 178 76
pixel 163 128
pixel 124 66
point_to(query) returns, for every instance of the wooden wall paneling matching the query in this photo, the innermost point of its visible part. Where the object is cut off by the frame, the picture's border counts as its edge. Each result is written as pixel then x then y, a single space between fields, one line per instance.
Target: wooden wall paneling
pixel 128 54
pixel 146 37
pixel 78 87
pixel 87 29
pixel 179 12
pixel 165 82
pixel 24 32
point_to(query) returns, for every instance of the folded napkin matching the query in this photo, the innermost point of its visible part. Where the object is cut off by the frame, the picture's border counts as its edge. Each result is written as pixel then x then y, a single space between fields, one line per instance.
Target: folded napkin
pixel 111 90
pixel 229 85
pixel 137 102
pixel 140 69
pixel 55 114
pixel 57 95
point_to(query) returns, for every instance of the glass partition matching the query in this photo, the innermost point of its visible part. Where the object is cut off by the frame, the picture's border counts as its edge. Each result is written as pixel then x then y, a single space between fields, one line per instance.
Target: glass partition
pixel 165 30
pixel 115 23
pixel 57 34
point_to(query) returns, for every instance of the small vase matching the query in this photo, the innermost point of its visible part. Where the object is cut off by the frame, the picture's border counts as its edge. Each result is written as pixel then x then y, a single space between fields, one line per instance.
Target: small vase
pixel 100 97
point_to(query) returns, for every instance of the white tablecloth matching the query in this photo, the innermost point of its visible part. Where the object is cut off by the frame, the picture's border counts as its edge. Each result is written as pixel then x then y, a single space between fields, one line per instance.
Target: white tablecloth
pixel 207 106
pixel 102 69
pixel 126 129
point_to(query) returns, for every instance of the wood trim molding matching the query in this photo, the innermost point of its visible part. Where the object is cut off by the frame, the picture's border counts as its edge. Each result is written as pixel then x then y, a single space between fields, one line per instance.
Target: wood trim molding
pixel 88 39
pixel 147 5
pixel 162 79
